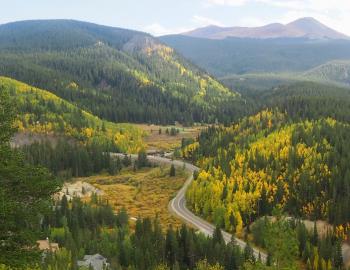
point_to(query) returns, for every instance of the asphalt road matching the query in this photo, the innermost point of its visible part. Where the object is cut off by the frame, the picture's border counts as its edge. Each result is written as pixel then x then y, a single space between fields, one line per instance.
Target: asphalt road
pixel 178 204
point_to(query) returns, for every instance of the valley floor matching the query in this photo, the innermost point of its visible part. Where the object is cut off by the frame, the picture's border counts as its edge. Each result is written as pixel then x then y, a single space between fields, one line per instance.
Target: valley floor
pixel 143 193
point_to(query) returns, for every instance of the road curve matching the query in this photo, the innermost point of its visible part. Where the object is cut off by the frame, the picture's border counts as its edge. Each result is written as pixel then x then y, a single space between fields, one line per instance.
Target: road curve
pixel 178 205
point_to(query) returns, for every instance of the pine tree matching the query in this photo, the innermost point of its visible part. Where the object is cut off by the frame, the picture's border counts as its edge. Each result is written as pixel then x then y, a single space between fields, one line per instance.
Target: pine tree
pixel 171 246
pixel 338 257
pixel 217 236
pixel 172 170
pixel 142 160
pixel 248 253
pixel 24 191
pixel 315 235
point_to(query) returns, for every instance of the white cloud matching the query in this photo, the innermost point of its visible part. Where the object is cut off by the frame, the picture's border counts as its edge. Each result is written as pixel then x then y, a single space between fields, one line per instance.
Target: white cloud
pixel 227 2
pixel 323 6
pixel 251 22
pixel 157 29
pixel 334 13
pixel 204 21
pixel 319 5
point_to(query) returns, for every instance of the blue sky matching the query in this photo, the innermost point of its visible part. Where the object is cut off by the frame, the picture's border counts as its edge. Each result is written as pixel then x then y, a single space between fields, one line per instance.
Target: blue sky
pixel 161 17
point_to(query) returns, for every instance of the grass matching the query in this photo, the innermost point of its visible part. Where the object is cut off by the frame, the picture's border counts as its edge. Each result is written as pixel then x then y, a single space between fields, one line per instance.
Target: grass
pixel 144 193
pixel 165 142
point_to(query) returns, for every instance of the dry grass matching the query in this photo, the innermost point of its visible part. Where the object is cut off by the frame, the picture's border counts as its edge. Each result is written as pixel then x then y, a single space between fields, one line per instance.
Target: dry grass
pixel 164 142
pixel 145 193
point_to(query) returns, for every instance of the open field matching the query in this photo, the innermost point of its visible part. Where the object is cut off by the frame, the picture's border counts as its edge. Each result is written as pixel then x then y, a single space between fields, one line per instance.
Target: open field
pixel 155 141
pixel 144 193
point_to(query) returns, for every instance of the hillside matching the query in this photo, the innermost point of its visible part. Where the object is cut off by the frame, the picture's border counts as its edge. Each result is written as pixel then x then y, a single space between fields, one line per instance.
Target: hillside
pixel 241 55
pixel 301 28
pixel 253 82
pixel 117 74
pixel 42 112
pixel 331 73
pixel 334 71
pixel 308 100
pixel 267 161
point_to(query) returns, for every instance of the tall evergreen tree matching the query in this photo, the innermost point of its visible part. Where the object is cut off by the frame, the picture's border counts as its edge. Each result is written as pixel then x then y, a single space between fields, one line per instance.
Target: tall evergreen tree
pixel 24 193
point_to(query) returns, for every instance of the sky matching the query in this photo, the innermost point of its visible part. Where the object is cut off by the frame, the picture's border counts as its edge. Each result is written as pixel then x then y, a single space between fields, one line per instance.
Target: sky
pixel 161 17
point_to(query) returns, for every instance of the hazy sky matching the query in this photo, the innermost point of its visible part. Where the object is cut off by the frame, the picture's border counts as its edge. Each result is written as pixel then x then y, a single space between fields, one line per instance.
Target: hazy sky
pixel 161 17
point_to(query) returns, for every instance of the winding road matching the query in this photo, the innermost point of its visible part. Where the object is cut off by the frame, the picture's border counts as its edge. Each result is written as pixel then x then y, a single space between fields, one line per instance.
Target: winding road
pixel 178 204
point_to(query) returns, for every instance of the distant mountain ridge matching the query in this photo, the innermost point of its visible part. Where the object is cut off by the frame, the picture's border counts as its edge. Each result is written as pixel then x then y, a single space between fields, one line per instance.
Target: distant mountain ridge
pixel 117 74
pixel 301 28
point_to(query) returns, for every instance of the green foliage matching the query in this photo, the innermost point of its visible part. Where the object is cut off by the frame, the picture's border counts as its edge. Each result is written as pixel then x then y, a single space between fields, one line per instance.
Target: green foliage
pixel 142 160
pixel 172 172
pixel 70 159
pixel 7 115
pixel 334 71
pixel 25 193
pixel 89 228
pixel 42 112
pixel 308 100
pixel 118 75
pixel 264 161
pixel 204 265
pixel 279 239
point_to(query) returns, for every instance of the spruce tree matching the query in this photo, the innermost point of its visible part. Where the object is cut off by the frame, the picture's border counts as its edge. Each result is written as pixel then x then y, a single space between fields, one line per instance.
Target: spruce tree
pixel 172 170
pixel 217 236
pixel 25 192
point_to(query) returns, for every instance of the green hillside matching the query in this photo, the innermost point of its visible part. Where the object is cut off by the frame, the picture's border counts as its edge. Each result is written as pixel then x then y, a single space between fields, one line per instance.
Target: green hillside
pixel 241 56
pixel 307 100
pixel 260 81
pixel 43 112
pixel 267 161
pixel 337 72
pixel 119 75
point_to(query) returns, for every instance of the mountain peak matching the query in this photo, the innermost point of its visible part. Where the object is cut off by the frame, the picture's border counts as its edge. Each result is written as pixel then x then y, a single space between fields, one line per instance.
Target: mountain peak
pixel 314 29
pixel 307 20
pixel 307 27
pixel 307 23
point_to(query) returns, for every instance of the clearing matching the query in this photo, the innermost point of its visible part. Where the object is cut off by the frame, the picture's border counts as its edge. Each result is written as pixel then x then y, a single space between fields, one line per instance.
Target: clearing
pixel 158 142
pixel 143 193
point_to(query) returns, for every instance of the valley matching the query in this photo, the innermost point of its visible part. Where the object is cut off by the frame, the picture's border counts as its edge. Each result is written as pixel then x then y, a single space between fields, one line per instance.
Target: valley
pixel 218 148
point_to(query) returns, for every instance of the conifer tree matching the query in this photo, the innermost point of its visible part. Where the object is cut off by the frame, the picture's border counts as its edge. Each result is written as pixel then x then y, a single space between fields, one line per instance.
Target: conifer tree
pixel 172 170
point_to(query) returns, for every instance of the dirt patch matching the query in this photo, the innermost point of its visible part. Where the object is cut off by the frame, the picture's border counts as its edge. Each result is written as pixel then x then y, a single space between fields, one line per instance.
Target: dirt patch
pixel 27 138
pixel 78 189
pixel 346 255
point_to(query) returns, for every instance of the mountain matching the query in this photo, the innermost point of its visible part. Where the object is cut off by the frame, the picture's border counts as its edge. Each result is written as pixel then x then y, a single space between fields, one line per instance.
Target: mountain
pixel 302 28
pixel 117 74
pixel 245 55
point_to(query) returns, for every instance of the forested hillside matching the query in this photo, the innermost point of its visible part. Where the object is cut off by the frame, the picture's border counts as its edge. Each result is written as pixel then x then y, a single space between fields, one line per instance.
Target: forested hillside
pixel 267 161
pixel 40 111
pixel 335 71
pixel 117 74
pixel 242 56
pixel 306 100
